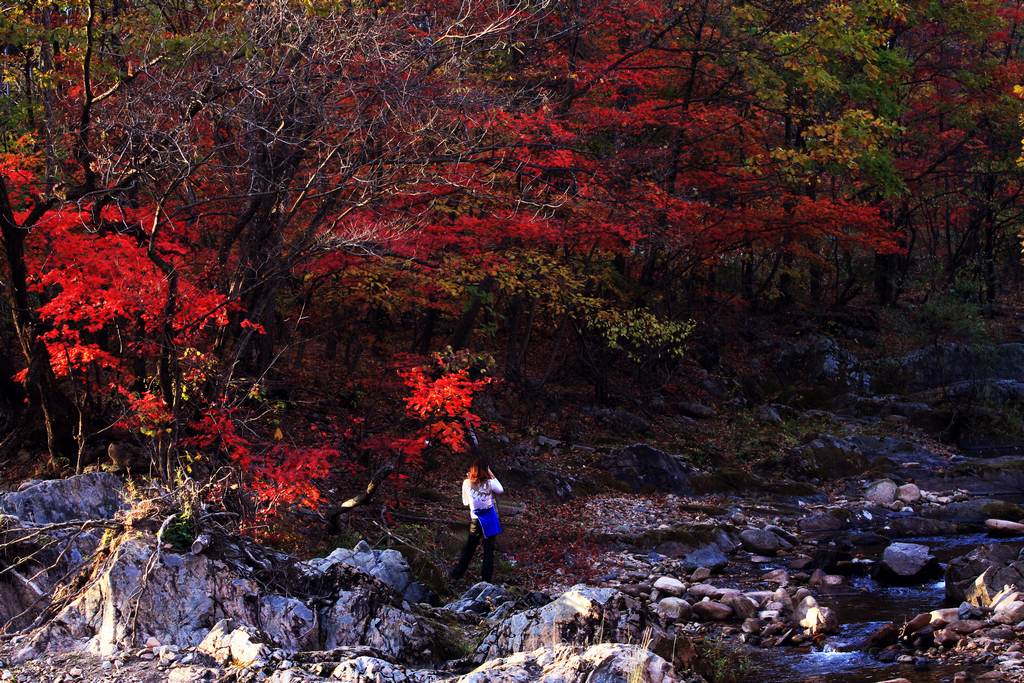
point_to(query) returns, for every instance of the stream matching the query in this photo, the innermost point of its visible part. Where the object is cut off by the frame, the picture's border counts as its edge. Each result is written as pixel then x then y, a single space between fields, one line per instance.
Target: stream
pixel 863 606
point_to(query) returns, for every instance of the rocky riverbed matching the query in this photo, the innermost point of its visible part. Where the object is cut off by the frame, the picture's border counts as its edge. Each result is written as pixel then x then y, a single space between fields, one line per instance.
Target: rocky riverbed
pixel 875 552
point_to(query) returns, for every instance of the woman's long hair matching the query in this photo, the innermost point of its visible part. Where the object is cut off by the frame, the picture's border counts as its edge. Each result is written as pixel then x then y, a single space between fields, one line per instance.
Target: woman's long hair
pixel 480 470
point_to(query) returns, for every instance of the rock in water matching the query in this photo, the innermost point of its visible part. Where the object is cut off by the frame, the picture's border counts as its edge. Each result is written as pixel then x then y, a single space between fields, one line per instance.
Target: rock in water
pixel 978 576
pixel 604 663
pixel 907 562
pixel 815 618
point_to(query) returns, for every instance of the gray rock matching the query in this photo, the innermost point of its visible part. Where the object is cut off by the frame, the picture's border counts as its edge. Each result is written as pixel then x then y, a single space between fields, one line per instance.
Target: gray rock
pixel 881 492
pixel 829 456
pixel 708 556
pixel 762 541
pixel 368 669
pixel 907 561
pixel 235 646
pixel 980 575
pixel 768 415
pixel 709 610
pixel 583 614
pixel 944 364
pixel 604 663
pixel 669 586
pixel 921 526
pixel 358 617
pixel 696 410
pixel 389 566
pixel 908 493
pixel 645 469
pixel 829 520
pixel 815 618
pixel 820 361
pixel 975 510
pixel 481 598
pixel 85 496
pixel 673 609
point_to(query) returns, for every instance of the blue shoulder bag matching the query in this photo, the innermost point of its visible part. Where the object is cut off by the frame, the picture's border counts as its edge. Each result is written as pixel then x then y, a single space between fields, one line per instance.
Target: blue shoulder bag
pixel 490 525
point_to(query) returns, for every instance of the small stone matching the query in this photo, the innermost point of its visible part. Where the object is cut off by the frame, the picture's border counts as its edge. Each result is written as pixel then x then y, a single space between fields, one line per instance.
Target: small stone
pixel 909 493
pixel 779 576
pixel 881 492
pixel 152 643
pixel 708 610
pixel 700 574
pixel 674 609
pixel 669 585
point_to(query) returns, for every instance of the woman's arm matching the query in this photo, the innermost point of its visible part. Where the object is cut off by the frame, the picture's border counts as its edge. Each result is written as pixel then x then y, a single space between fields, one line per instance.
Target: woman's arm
pixel 495 485
pixel 465 492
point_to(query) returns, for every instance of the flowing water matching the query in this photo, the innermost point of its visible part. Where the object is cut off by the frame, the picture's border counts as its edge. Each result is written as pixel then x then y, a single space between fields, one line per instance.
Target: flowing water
pixel 863 606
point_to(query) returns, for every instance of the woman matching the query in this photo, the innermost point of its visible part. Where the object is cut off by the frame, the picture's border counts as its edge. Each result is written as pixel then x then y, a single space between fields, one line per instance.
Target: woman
pixel 478 491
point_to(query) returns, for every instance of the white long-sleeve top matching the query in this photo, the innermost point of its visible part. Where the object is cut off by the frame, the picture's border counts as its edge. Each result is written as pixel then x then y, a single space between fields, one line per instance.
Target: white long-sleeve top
pixel 480 497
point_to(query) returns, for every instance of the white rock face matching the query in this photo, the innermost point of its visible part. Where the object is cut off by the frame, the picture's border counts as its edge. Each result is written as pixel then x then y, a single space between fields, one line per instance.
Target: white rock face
pixel 605 663
pixel 583 614
pixel 361 618
pixel 185 596
pixel 236 646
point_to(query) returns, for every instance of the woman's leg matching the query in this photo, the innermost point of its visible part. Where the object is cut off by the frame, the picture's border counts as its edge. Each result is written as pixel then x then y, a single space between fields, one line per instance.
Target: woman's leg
pixel 487 573
pixel 472 540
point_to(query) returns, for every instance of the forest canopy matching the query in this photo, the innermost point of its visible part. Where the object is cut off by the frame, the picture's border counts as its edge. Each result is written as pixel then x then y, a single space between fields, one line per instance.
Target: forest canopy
pixel 209 208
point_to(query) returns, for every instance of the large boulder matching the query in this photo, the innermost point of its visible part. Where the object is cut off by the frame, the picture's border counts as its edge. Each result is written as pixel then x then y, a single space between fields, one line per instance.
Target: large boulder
pixel 825 522
pixel 984 572
pixel 604 663
pixel 829 456
pixel 388 565
pixel 358 617
pixel 481 598
pixel 945 364
pixel 818 360
pixel 762 541
pixel 644 469
pixel 907 562
pixel 581 615
pixel 86 496
pixel 976 510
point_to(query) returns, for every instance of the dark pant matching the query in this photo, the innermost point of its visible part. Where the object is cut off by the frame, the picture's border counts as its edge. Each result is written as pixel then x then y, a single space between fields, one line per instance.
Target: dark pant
pixel 476 534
